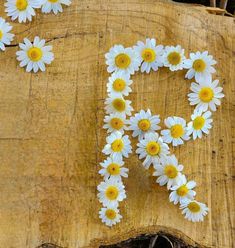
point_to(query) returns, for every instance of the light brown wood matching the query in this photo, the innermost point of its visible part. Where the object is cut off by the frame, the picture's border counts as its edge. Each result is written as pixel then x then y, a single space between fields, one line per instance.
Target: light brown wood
pixel 51 133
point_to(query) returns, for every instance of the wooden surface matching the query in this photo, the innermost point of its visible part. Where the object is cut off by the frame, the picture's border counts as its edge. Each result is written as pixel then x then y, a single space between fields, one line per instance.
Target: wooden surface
pixel 51 133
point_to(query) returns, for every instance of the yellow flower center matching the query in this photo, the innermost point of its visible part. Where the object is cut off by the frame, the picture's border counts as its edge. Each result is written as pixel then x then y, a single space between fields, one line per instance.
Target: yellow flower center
pixel 177 131
pixel 21 4
pixel 153 148
pixel 198 123
pixel 182 190
pixel 199 65
pixel 35 54
pixel 112 193
pixel 110 214
pixel 1 34
pixel 119 104
pixel 113 169
pixel 117 145
pixel 116 123
pixel 119 84
pixel 171 171
pixel 206 94
pixel 144 125
pixel 148 55
pixel 53 1
pixel 194 207
pixel 174 58
pixel 122 61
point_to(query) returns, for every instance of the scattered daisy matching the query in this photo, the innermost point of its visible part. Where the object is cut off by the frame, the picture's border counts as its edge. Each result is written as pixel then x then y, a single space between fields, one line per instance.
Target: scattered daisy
pixel 120 59
pixel 5 36
pixel 117 146
pixel 115 122
pixel 168 171
pixel 113 168
pixel 194 211
pixel 54 6
pixel 22 9
pixel 152 148
pixel 182 190
pixel 149 54
pixel 110 216
pixel 176 132
pixel 34 55
pixel 174 57
pixel 111 192
pixel 118 105
pixel 201 123
pixel 200 66
pixel 143 123
pixel 206 95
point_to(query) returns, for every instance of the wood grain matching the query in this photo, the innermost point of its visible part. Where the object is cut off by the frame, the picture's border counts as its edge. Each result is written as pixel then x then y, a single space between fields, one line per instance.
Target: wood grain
pixel 51 133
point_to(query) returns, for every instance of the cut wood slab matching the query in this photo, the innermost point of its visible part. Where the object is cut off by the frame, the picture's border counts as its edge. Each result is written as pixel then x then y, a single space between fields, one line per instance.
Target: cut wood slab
pixel 51 133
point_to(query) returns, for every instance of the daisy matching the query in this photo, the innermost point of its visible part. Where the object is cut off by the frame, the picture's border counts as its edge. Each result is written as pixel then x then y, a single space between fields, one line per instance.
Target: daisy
pixel 22 9
pixel 110 216
pixel 168 171
pixel 194 211
pixel 118 105
pixel 174 58
pixel 5 36
pixel 200 66
pixel 111 192
pixel 120 59
pixel 34 55
pixel 149 54
pixel 176 132
pixel 143 123
pixel 182 190
pixel 115 122
pixel 152 148
pixel 206 95
pixel 117 146
pixel 113 168
pixel 201 123
pixel 54 5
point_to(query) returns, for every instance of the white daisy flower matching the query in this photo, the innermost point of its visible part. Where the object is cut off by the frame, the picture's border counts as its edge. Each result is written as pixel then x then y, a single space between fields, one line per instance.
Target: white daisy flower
pixel 111 192
pixel 182 191
pixel 5 36
pixel 117 146
pixel 174 57
pixel 201 123
pixel 118 105
pixel 168 171
pixel 206 95
pixel 34 55
pixel 176 132
pixel 200 66
pixel 149 54
pixel 113 168
pixel 143 123
pixel 119 84
pixel 110 216
pixel 194 211
pixel 116 122
pixel 54 6
pixel 152 148
pixel 120 59
pixel 22 9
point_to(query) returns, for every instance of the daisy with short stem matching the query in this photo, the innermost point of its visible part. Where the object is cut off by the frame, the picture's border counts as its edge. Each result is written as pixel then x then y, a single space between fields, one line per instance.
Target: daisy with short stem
pixel 152 149
pixel 5 36
pixel 201 123
pixel 110 216
pixel 115 122
pixel 144 122
pixel 176 132
pixel 174 57
pixel 113 168
pixel 54 6
pixel 206 95
pixel 200 66
pixel 182 191
pixel 193 210
pixel 150 55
